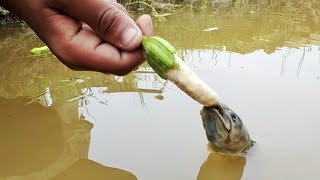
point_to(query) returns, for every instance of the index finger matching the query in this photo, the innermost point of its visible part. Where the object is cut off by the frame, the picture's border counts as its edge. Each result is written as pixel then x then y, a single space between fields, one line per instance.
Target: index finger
pixel 111 23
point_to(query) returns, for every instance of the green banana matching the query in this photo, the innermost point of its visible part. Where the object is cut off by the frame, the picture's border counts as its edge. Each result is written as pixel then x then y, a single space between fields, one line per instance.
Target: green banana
pixel 165 43
pixel 40 50
pixel 159 54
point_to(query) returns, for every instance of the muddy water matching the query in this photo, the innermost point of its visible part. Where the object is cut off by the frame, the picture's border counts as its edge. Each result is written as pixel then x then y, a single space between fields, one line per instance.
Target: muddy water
pixel 263 61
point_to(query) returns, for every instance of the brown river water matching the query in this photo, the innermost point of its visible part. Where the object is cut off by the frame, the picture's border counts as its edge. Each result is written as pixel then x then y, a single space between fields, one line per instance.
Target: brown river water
pixel 264 62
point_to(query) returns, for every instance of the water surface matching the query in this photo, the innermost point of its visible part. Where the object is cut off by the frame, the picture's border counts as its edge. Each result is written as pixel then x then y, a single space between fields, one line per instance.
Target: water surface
pixel 263 60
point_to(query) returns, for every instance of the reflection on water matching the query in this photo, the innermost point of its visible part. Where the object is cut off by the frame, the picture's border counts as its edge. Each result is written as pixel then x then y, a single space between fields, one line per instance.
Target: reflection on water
pixel 247 28
pixel 262 59
pixel 31 137
pixel 222 167
pixel 37 144
pixel 85 169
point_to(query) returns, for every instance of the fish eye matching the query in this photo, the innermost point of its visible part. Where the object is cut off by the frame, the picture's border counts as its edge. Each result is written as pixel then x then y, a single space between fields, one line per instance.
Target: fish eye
pixel 233 115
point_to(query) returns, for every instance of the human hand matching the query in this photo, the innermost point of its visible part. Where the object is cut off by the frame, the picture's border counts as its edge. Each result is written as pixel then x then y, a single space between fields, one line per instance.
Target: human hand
pixel 94 35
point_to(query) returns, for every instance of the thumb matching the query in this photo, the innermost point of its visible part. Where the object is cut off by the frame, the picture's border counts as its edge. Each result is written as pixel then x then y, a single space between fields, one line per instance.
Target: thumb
pixel 106 17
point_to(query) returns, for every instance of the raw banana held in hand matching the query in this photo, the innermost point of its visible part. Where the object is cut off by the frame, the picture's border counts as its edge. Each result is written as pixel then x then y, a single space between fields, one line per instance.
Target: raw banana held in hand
pixel 162 57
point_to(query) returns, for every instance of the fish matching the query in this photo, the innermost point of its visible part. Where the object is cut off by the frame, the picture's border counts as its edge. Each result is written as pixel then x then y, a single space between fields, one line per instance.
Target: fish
pixel 225 130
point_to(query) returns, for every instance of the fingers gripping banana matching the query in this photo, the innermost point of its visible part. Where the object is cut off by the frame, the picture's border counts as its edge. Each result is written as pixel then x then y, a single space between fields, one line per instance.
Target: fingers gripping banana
pixel 161 56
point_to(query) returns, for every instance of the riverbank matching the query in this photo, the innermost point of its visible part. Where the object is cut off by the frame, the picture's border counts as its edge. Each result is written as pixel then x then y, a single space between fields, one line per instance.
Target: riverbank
pixel 6 17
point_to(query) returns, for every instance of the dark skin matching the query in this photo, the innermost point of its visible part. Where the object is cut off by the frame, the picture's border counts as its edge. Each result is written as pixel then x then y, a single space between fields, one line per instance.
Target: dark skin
pixel 96 35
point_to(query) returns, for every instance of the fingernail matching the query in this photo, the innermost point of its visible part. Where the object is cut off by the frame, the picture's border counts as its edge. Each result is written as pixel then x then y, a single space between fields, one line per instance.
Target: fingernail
pixel 128 36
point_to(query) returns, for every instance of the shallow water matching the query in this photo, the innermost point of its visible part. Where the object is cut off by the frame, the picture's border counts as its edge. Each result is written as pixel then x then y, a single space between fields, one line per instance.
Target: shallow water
pixel 263 61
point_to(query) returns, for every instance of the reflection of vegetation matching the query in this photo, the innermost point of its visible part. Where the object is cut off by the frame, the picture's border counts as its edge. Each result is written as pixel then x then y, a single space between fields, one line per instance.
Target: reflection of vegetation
pixel 301 62
pixel 283 66
pixel 85 169
pixel 28 142
pixel 39 143
pixel 41 77
pixel 219 166
pixel 65 85
pixel 245 28
pixel 242 27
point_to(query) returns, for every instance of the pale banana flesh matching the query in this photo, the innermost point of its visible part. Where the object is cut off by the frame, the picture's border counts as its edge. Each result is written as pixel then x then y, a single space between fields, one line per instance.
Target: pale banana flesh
pixel 191 84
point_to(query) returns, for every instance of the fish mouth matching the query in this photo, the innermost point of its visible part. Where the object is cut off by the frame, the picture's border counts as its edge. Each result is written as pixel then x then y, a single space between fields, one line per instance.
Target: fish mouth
pixel 224 129
pixel 216 126
pixel 222 116
pixel 216 114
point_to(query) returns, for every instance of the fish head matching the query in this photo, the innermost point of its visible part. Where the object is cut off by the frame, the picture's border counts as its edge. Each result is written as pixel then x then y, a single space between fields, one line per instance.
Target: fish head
pixel 225 130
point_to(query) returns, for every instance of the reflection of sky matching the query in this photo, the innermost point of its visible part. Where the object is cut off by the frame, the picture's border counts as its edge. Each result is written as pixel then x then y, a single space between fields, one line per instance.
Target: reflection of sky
pixel 148 141
pixel 165 138
pixel 288 62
